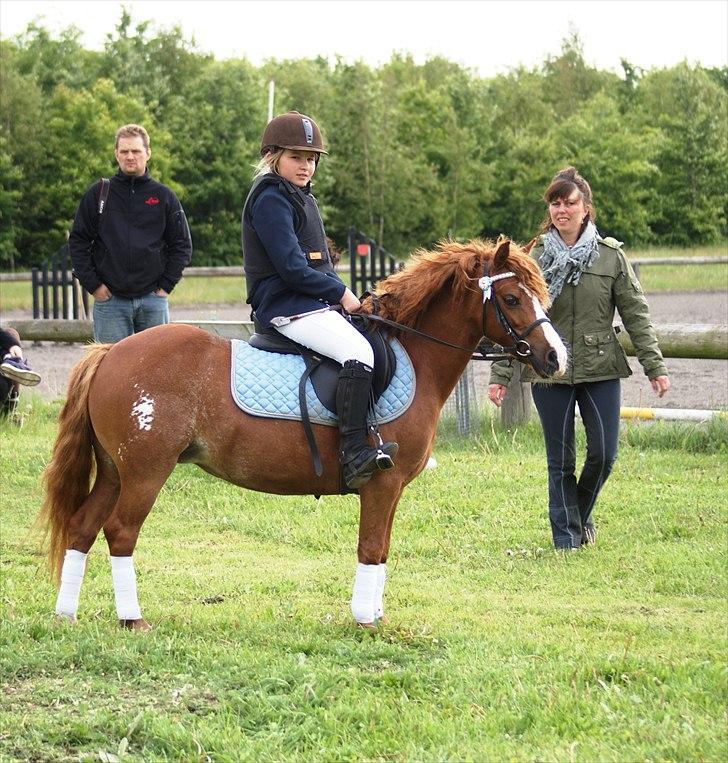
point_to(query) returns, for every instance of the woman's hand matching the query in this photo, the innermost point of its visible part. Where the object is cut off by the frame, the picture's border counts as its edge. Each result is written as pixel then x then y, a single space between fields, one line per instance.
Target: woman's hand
pixel 496 393
pixel 350 302
pixel 660 384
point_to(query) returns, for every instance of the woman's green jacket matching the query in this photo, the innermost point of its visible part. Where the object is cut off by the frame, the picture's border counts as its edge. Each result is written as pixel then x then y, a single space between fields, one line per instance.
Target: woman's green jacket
pixel 583 316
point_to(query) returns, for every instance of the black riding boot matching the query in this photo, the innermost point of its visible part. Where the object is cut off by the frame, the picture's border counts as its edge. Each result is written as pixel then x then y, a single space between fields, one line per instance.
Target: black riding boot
pixel 358 458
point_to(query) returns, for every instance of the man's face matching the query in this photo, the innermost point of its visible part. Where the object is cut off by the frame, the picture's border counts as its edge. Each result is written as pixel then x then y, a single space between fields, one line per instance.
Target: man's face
pixel 132 156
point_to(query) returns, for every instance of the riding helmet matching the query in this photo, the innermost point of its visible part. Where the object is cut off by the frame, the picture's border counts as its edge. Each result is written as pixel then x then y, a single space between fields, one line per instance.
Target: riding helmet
pixel 293 131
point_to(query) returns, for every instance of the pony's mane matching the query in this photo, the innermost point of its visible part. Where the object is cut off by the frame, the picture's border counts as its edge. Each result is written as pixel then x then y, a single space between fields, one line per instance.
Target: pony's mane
pixel 405 295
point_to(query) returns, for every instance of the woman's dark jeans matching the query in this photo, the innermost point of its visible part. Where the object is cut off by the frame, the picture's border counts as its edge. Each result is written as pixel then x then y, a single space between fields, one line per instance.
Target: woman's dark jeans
pixel 571 501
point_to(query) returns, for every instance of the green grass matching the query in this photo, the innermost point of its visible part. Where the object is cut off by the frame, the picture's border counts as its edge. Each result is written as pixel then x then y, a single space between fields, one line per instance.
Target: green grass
pixel 667 278
pixel 230 290
pixel 498 648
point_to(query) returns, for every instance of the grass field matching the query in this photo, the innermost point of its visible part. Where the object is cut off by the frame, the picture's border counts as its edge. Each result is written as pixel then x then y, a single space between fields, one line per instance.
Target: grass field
pixel 498 648
pixel 227 290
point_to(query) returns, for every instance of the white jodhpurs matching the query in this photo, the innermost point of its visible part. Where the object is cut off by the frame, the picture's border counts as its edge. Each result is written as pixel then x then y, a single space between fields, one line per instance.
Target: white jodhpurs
pixel 332 335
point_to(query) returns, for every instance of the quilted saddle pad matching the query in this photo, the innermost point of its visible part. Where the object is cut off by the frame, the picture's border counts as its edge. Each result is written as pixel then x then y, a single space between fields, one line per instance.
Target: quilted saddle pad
pixel 266 384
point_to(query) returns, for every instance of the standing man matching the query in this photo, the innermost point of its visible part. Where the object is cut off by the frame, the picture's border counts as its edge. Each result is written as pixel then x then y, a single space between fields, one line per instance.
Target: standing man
pixel 129 243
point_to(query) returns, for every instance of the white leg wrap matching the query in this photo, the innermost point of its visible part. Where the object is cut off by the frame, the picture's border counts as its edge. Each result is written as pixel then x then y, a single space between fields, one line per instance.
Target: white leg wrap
pixel 379 595
pixel 125 588
pixel 72 572
pixel 365 589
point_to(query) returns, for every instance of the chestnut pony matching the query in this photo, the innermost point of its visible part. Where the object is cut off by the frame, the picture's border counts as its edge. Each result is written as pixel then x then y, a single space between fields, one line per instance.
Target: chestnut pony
pixel 161 397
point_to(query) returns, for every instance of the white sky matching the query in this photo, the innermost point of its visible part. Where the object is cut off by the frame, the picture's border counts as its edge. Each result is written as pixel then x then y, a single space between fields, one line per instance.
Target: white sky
pixel 488 36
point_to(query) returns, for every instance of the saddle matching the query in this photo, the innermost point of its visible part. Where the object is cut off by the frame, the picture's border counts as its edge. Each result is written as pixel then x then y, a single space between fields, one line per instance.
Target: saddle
pixel 323 372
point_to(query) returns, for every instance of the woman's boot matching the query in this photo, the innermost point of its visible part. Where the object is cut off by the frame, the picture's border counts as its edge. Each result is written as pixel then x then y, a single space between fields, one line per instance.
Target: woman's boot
pixel 358 458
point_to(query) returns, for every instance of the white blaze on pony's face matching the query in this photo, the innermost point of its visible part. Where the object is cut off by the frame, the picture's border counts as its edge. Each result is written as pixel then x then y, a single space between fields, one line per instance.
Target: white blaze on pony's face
pixel 552 336
pixel 143 412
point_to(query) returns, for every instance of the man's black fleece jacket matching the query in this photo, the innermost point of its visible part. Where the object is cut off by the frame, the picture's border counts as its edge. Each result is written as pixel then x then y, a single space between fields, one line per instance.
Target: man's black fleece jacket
pixel 140 243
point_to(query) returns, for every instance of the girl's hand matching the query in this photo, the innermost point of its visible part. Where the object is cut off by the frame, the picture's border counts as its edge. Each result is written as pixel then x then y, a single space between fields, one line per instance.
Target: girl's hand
pixel 350 302
pixel 660 384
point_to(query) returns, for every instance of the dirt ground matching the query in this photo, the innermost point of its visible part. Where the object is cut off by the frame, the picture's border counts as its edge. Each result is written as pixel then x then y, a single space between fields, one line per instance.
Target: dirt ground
pixel 701 384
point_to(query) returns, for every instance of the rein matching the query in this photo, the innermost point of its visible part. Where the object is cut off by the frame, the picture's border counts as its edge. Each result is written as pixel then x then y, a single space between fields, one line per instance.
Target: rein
pixel 520 346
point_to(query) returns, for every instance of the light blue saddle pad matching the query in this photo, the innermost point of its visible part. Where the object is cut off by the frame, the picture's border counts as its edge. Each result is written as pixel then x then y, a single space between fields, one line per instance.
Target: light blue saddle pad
pixel 266 384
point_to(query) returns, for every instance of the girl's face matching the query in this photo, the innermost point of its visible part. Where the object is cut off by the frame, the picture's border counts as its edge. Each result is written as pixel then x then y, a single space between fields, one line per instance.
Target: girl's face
pixel 297 167
pixel 567 215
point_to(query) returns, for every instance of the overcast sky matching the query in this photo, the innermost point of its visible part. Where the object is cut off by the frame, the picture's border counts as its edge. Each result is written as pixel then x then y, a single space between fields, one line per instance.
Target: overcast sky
pixel 488 36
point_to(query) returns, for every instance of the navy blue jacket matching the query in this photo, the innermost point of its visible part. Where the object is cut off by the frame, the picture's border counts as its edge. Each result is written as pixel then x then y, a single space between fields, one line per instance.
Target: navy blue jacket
pixel 297 283
pixel 142 243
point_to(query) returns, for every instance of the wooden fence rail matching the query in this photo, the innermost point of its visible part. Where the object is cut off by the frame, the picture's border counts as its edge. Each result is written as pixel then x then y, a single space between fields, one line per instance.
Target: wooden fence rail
pixel 677 340
pixel 237 270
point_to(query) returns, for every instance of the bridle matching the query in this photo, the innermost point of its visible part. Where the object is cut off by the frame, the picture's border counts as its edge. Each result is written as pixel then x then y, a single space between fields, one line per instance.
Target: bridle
pixel 520 346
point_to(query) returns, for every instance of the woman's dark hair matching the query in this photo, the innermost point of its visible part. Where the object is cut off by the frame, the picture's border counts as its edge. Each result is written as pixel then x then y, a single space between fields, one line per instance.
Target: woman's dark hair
pixel 562 186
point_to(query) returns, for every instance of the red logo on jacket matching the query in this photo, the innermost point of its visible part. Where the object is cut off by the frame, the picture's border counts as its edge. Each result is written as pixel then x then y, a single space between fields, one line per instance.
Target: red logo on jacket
pixel 152 200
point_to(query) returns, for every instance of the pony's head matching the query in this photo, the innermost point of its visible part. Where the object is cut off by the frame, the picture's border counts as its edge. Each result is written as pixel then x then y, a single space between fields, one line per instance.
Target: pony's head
pixel 468 281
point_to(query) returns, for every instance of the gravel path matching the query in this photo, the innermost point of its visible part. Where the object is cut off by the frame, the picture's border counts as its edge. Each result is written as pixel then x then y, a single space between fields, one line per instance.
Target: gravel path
pixel 695 383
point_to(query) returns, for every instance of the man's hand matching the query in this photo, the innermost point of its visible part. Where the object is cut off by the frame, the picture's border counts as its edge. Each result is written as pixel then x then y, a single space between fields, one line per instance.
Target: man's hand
pixel 102 293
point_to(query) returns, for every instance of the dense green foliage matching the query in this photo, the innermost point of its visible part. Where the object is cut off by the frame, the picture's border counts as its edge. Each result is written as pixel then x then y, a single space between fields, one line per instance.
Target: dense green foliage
pixel 498 649
pixel 418 152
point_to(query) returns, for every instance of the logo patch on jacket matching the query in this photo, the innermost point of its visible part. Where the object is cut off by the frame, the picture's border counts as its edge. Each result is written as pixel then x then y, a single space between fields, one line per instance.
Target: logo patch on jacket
pixel 152 200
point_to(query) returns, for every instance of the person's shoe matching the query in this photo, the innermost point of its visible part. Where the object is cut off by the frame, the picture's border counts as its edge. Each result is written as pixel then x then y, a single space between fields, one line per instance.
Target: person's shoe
pixel 588 536
pixel 18 370
pixel 360 469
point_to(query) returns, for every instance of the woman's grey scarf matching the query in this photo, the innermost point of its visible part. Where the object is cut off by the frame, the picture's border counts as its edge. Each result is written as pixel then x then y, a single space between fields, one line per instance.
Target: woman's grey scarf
pixel 562 264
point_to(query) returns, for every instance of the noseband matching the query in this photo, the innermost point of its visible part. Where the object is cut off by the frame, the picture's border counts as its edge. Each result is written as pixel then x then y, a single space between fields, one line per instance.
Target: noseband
pixel 520 346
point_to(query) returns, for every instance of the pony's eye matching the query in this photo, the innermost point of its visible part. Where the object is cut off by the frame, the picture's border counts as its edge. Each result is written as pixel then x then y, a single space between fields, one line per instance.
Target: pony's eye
pixel 510 300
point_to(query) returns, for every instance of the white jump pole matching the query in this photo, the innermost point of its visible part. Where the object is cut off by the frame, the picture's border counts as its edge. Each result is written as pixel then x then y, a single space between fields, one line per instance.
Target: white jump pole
pixel 670 414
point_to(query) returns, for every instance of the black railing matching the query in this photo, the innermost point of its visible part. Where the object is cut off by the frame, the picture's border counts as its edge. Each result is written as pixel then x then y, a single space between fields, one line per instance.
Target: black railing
pixel 368 261
pixel 56 291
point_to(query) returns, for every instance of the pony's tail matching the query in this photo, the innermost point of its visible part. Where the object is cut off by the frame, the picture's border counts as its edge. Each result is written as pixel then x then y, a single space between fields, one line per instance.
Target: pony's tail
pixel 67 478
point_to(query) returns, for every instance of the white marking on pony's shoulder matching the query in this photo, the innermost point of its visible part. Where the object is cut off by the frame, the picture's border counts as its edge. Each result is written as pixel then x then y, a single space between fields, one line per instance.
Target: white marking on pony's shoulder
pixel 143 411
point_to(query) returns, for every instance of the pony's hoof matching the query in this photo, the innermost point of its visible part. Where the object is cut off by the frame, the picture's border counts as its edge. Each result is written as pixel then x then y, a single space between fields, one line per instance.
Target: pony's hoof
pixel 135 625
pixel 372 627
pixel 383 620
pixel 60 619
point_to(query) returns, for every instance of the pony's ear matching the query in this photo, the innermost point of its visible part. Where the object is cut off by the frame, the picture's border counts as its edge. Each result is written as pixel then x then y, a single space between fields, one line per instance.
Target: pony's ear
pixel 501 253
pixel 530 245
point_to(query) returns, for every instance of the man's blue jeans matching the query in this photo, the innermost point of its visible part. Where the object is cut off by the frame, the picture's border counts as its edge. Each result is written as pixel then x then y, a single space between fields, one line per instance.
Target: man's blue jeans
pixel 571 501
pixel 116 318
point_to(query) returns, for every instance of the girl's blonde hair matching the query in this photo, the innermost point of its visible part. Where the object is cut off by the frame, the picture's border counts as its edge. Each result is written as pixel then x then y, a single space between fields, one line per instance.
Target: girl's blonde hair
pixel 268 163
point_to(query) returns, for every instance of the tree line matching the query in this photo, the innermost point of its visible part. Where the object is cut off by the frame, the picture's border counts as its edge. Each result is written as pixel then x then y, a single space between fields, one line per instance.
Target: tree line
pixel 418 152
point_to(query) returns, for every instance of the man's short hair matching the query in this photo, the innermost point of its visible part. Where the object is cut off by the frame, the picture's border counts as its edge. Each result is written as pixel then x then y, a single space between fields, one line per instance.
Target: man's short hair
pixel 132 131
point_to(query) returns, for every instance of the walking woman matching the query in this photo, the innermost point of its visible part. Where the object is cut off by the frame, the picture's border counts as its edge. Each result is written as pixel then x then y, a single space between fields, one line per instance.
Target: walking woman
pixel 288 271
pixel 588 277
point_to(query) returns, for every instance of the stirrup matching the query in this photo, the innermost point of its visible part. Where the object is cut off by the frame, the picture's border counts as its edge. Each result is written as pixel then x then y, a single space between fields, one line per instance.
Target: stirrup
pixel 385 455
